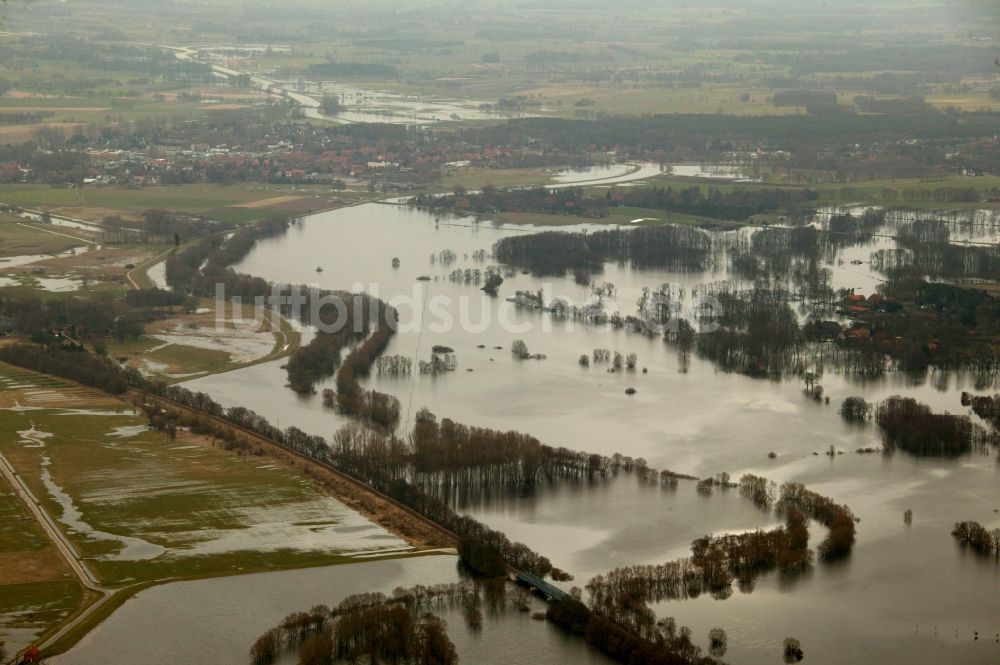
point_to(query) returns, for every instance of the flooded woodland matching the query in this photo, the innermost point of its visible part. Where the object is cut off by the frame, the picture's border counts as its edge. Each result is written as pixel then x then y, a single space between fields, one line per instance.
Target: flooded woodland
pixel 539 332
pixel 686 415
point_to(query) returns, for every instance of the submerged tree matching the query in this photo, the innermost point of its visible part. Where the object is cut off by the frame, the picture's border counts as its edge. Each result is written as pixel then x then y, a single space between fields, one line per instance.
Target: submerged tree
pixel 718 642
pixel 265 649
pixel 855 409
pixel 793 650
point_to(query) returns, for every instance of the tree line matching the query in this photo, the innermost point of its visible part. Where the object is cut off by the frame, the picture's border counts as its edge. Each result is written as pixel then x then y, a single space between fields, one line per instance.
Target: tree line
pixel 737 204
pixel 986 407
pixel 350 318
pixel 69 362
pixel 622 596
pixel 837 518
pixel 399 629
pixel 666 646
pixel 624 593
pixel 447 454
pixel 156 297
pixel 670 247
pixel 913 427
pixel 978 537
pixel 939 259
pixel 81 318
pixel 734 204
pixel 198 268
pixel 378 408
pixel 357 451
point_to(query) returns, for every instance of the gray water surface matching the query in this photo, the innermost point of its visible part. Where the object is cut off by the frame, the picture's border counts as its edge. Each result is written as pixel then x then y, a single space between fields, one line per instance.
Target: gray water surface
pixel 902 595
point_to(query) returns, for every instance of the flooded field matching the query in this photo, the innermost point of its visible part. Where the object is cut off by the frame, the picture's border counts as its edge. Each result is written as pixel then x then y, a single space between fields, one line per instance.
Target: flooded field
pixel 700 421
pixel 730 173
pixel 140 504
pixel 373 105
pixel 157 273
pixel 609 174
pixel 224 616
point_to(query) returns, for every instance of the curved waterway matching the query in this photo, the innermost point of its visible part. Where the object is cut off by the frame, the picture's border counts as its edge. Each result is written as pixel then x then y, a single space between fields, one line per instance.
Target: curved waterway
pixel 908 593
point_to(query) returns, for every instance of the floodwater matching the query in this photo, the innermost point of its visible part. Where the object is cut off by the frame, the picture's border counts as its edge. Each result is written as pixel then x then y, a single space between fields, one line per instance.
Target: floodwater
pixel 374 105
pixel 362 104
pixel 614 174
pixel 967 225
pixel 27 259
pixel 731 173
pixel 132 549
pixel 183 621
pixel 907 594
pixel 588 173
pixel 157 273
pixel 59 220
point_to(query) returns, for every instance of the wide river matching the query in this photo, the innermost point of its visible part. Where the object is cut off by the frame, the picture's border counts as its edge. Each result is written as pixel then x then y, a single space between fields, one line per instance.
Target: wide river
pixel 908 593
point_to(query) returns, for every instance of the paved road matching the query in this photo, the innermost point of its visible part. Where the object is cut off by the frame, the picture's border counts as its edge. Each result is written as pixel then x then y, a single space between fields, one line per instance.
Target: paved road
pixel 65 547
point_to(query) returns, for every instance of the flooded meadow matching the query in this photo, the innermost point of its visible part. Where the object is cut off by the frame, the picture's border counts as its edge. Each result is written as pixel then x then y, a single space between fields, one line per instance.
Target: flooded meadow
pixel 686 416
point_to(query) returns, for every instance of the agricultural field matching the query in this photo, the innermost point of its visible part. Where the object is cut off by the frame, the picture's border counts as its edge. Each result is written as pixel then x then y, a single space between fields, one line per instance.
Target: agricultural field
pixel 83 271
pixel 238 204
pixel 19 237
pixel 574 100
pixel 476 178
pixel 60 91
pixel 141 506
pixel 37 589
pixel 194 199
pixel 872 192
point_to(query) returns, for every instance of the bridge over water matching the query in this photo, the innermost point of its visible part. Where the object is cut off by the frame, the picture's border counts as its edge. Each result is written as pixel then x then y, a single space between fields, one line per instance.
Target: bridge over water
pixel 540 586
